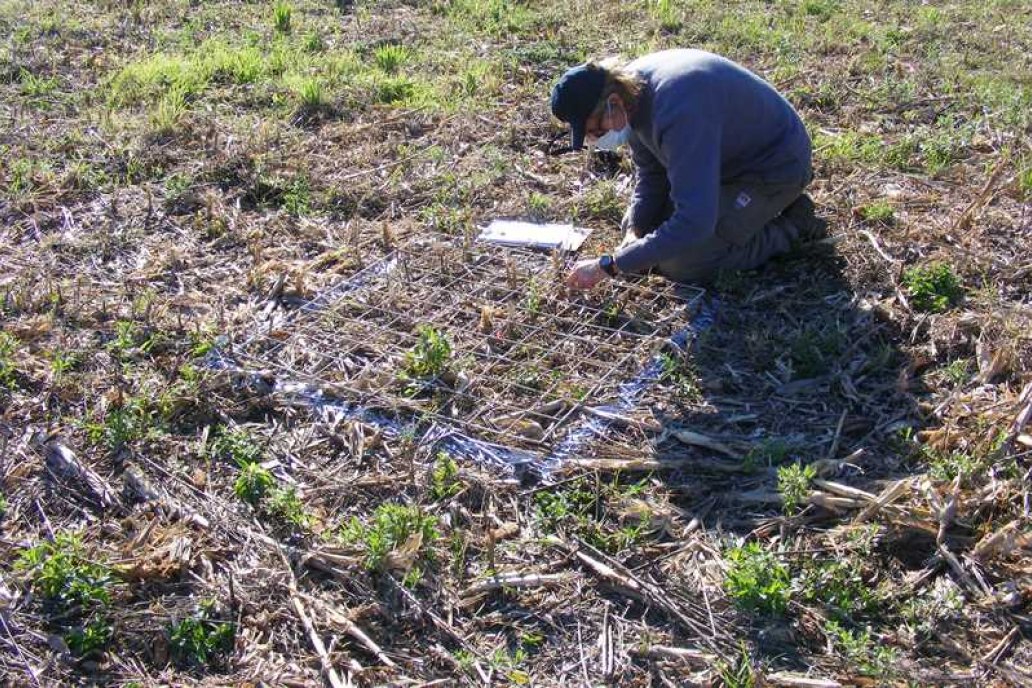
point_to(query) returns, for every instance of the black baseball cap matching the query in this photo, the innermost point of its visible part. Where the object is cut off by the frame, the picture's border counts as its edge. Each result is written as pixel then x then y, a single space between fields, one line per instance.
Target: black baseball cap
pixel 575 96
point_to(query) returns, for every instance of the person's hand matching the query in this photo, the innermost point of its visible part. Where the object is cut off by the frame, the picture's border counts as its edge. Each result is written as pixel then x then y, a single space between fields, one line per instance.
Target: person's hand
pixel 585 275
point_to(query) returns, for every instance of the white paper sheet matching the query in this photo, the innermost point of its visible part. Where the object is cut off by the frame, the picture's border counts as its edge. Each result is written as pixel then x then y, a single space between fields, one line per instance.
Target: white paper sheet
pixel 534 235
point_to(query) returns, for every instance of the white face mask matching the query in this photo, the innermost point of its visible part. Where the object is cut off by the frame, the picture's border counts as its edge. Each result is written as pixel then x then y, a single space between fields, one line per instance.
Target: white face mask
pixel 614 138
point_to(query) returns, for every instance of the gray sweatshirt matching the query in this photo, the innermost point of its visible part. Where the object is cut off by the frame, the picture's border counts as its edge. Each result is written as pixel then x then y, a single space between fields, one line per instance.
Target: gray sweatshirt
pixel 703 121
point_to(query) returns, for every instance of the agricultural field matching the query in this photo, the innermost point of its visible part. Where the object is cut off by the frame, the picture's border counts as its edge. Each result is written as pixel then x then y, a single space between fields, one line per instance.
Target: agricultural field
pixel 270 415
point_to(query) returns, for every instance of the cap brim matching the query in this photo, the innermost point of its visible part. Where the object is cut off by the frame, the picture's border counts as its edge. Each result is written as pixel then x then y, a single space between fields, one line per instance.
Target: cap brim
pixel 577 135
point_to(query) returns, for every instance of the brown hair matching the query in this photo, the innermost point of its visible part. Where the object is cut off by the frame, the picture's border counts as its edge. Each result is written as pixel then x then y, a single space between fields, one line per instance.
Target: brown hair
pixel 619 80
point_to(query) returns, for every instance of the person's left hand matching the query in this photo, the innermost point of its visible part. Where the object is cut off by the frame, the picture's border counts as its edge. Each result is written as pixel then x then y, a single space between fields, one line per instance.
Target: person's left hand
pixel 585 275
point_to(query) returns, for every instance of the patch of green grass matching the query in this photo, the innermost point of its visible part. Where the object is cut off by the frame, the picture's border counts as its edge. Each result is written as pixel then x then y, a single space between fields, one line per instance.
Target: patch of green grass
pixel 8 372
pixel 1025 181
pixel 90 638
pixel 3 505
pixel 666 13
pixel 739 672
pixel 933 288
pixel 395 89
pixel 794 485
pixel 390 57
pixel 392 525
pixel 430 356
pixel 848 147
pixel 865 653
pixel 253 483
pixel 881 212
pixel 310 92
pixel 282 13
pixel 821 9
pixel 756 580
pixel 36 86
pixel 169 113
pixel 314 43
pixel 201 639
pixel 444 478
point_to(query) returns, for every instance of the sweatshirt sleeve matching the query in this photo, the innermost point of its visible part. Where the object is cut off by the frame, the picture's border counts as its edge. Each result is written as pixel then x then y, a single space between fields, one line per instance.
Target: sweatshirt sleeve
pixel 688 135
pixel 650 191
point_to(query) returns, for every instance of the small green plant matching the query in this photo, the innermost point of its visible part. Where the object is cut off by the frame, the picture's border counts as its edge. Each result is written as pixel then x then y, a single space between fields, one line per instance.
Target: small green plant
pixel 253 483
pixel 8 373
pixel 539 205
pixel 933 288
pixel 794 485
pixel 134 420
pixel 392 525
pixel 89 638
pixel 757 580
pixel 444 478
pixel 869 657
pixel 238 446
pixel 532 300
pixel 297 198
pixel 881 212
pixel 430 356
pixel 390 57
pixel 3 504
pixel 64 575
pixel 676 371
pixel 285 506
pixel 840 586
pixel 282 13
pixel 201 638
pixel 946 465
pixel 957 372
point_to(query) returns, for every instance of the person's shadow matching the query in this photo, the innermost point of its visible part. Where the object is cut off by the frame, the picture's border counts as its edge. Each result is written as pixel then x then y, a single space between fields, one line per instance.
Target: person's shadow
pixel 797 367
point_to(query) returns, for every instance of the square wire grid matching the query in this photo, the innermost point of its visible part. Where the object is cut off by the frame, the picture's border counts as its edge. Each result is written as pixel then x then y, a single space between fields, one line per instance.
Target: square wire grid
pixel 526 355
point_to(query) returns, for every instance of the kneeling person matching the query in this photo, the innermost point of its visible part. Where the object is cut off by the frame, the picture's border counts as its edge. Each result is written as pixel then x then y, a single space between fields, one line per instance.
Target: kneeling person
pixel 721 160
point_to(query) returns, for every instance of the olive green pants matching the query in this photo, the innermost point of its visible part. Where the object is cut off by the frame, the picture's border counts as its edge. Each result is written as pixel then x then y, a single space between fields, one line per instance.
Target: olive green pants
pixel 750 230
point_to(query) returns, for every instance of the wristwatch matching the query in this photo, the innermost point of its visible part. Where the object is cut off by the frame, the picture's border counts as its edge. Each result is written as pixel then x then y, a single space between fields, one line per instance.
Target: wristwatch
pixel 608 265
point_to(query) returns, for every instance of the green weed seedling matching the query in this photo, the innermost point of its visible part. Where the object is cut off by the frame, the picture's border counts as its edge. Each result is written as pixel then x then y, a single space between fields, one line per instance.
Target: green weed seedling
pixel 738 673
pixel 444 478
pixel 430 356
pixel 238 446
pixel 933 288
pixel 134 420
pixel 391 526
pixel 395 89
pixel 794 485
pixel 866 654
pixel 201 639
pixel 676 371
pixel 8 374
pixel 285 506
pixel 839 585
pixel 79 588
pixel 756 581
pixel 253 483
